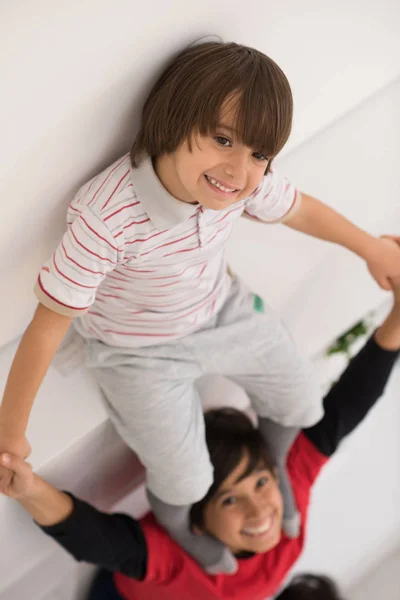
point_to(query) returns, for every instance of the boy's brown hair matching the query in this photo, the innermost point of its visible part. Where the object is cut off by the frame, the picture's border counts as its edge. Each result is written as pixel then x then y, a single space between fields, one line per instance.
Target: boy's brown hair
pixel 311 587
pixel 189 95
pixel 229 435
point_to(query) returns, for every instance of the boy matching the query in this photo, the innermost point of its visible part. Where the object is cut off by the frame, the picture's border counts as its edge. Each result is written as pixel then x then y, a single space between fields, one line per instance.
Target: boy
pixel 142 268
pixel 243 508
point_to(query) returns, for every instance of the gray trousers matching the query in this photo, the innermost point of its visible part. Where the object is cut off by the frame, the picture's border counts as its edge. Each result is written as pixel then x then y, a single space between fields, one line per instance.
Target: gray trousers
pixel 152 400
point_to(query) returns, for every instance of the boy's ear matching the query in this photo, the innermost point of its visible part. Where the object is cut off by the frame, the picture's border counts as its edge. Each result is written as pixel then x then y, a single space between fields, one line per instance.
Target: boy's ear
pixel 197 531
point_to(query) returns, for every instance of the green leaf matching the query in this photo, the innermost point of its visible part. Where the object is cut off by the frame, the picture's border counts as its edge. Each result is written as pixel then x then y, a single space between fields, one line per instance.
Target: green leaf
pixel 347 339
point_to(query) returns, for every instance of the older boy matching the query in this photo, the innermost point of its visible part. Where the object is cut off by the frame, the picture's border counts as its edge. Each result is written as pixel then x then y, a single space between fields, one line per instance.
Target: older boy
pixel 243 508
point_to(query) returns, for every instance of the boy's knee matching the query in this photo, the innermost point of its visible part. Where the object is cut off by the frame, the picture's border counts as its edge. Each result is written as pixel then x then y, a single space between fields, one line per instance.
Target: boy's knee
pixel 181 484
pixel 307 406
pixel 311 408
pixel 300 405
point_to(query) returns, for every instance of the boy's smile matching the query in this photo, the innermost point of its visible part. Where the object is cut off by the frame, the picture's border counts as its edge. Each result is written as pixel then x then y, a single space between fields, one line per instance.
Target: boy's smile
pixel 220 186
pixel 246 514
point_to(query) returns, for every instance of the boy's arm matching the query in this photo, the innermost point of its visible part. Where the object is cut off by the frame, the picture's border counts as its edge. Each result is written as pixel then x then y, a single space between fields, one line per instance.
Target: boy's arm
pixel 360 386
pixel 31 362
pixel 319 220
pixel 113 541
pixel 47 505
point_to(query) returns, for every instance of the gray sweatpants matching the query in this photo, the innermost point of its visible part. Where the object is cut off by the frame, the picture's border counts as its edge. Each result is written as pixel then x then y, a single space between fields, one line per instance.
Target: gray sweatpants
pixel 152 400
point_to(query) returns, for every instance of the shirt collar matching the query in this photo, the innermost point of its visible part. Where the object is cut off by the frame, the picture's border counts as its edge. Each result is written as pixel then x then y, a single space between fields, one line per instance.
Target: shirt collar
pixel 164 210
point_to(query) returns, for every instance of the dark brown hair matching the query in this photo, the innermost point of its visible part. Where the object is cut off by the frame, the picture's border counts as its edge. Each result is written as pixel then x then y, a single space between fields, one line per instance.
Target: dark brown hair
pixel 229 435
pixel 190 93
pixel 310 587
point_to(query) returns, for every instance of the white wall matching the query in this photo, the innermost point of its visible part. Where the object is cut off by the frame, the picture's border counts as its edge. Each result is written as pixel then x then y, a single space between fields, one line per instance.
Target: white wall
pixel 74 75
pixel 381 582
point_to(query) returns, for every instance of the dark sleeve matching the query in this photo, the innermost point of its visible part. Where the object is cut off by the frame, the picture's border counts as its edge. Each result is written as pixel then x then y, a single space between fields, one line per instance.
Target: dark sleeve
pixel 352 396
pixel 113 541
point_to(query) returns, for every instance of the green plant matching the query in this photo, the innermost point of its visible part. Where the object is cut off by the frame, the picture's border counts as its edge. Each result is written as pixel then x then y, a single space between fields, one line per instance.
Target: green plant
pixel 344 343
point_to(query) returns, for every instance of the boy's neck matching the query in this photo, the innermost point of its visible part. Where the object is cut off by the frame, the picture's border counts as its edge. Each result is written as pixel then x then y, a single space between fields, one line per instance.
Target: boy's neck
pixel 164 168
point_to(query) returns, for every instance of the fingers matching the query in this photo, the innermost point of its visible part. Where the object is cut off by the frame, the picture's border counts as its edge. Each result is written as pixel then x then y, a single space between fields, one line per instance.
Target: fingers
pixel 392 282
pixel 5 479
pixel 394 238
pixel 28 450
pixel 14 465
pixel 395 281
pixel 16 476
pixel 384 283
pixel 11 466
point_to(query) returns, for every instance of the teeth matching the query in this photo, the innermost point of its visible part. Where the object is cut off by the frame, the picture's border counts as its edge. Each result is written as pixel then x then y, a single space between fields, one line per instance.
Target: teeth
pixel 218 185
pixel 258 530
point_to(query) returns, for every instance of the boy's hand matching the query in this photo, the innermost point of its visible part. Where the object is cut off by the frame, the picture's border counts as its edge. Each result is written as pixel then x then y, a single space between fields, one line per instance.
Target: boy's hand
pixel 11 444
pixel 20 476
pixel 384 261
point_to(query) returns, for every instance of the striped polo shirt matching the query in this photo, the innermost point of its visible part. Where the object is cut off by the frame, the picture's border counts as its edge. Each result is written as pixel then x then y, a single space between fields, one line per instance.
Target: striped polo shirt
pixel 139 267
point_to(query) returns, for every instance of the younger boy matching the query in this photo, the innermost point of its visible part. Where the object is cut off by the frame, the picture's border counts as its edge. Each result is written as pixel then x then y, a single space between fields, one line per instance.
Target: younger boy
pixel 141 267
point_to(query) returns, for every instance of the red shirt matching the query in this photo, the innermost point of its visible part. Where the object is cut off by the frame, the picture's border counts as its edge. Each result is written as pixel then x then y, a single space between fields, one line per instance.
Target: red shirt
pixel 174 575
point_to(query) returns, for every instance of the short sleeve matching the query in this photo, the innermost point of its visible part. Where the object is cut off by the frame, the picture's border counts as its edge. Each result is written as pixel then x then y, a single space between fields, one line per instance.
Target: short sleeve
pixel 68 281
pixel 275 200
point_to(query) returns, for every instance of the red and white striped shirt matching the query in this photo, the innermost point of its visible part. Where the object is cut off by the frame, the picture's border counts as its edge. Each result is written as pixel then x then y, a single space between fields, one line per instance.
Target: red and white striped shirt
pixel 140 267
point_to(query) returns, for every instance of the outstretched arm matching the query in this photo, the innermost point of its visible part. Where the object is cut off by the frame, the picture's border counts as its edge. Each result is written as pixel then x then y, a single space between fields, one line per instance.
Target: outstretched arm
pixel 315 218
pixel 361 384
pixel 31 362
pixel 113 541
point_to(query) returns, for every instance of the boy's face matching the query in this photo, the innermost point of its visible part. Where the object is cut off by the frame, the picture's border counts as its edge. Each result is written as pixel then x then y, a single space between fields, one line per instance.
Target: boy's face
pixel 217 172
pixel 246 515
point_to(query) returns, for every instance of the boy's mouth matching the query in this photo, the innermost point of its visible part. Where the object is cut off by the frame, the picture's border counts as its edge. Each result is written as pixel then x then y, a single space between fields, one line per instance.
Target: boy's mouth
pixel 220 186
pixel 261 530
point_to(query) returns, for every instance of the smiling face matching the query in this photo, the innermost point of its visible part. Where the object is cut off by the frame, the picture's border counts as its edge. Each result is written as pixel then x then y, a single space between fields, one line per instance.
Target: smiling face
pixel 215 170
pixel 246 512
pixel 211 118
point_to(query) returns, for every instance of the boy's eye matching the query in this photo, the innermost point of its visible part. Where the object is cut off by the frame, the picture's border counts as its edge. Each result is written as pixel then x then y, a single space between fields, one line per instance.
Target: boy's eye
pixel 229 501
pixel 222 141
pixel 262 482
pixel 259 156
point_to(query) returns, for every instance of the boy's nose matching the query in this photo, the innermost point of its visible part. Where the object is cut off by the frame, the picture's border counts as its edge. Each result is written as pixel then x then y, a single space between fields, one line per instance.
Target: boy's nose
pixel 255 509
pixel 235 167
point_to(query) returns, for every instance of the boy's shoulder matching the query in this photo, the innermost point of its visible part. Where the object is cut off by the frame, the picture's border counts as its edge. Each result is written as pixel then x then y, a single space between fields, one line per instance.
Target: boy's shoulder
pixel 164 554
pixel 274 200
pixel 105 188
pixel 131 200
pixel 115 201
pixel 156 535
